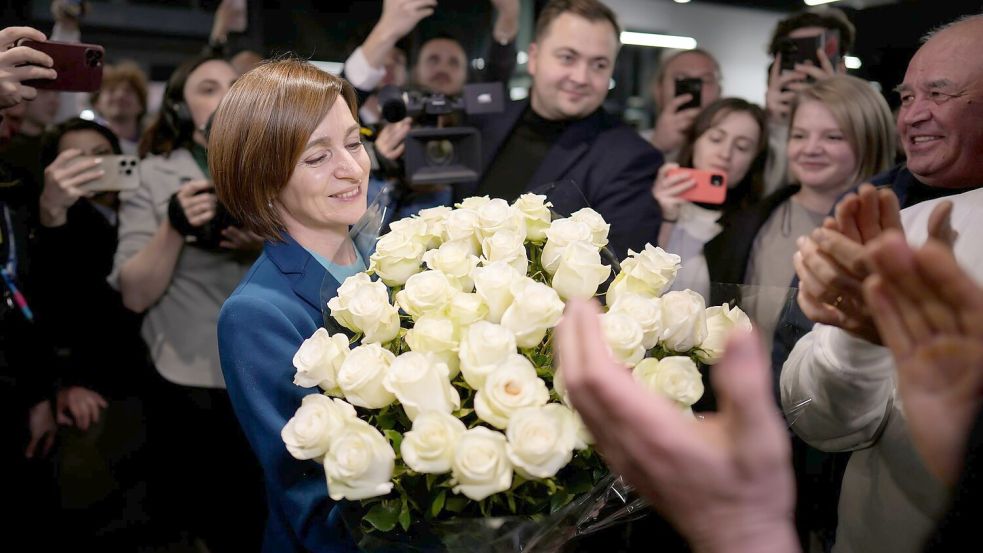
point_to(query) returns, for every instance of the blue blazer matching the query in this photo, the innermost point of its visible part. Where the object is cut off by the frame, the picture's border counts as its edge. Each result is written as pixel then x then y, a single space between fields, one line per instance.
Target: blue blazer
pixel 612 166
pixel 274 309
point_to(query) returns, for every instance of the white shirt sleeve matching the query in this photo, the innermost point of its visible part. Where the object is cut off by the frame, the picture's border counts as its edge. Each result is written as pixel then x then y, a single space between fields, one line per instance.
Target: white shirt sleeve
pixel 850 382
pixel 360 74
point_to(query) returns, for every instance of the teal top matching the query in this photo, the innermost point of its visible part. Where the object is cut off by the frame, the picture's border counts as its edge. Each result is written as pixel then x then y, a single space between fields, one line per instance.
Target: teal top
pixel 340 272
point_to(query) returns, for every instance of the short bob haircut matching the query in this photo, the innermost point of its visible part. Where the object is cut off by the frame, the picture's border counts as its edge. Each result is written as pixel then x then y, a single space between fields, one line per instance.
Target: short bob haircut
pixel 259 132
pixel 751 187
pixel 863 117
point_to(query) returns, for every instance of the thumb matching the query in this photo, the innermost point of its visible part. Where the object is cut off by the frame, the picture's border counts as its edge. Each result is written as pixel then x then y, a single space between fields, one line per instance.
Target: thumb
pixel 939 224
pixel 31 447
pixel 743 382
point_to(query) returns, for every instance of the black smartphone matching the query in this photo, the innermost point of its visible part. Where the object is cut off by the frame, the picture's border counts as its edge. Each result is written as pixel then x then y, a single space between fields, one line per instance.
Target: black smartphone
pixel 79 66
pixel 802 50
pixel 692 86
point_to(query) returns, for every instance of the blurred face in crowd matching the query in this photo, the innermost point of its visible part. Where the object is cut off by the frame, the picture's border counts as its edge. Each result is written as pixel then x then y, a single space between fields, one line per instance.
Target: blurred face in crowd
pixel 395 66
pixel 327 189
pixel 442 66
pixel 730 146
pixel 119 102
pixel 205 88
pixel 571 66
pixel 690 65
pixel 819 155
pixel 40 112
pixel 941 117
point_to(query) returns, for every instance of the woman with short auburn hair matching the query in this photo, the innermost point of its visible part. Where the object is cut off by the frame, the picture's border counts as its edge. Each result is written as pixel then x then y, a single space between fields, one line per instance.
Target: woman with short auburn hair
pixel 287 159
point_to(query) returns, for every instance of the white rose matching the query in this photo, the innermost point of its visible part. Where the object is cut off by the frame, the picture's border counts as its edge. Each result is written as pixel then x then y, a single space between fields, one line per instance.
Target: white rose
pixel 510 387
pixel 429 447
pixel 676 378
pixel 308 433
pixel 438 335
pixel 647 312
pixel 421 383
pixel 473 203
pixel 535 309
pixel 435 217
pixel 339 304
pixel 481 464
pixel 425 293
pixel 536 211
pixel 493 284
pixel 417 229
pixel 397 257
pixel 361 376
pixel 360 463
pixel 462 224
pixel 466 309
pixel 684 320
pixel 484 346
pixel 506 245
pixel 456 261
pixel 624 336
pixel 372 314
pixel 580 271
pixel 541 440
pixel 720 323
pixel 497 215
pixel 648 274
pixel 598 227
pixel 560 234
pixel 318 359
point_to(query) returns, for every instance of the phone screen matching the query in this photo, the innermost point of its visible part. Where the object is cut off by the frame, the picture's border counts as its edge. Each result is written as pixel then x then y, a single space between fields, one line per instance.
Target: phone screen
pixel 692 86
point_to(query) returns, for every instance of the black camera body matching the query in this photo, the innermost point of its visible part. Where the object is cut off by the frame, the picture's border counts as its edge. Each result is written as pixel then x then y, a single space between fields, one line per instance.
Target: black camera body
pixel 441 155
pixel 207 236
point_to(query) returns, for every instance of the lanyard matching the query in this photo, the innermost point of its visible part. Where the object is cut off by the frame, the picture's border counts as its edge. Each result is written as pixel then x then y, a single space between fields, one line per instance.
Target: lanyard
pixel 9 268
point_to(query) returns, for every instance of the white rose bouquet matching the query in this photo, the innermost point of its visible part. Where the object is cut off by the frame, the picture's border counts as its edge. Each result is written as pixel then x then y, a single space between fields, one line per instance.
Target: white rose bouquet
pixel 440 400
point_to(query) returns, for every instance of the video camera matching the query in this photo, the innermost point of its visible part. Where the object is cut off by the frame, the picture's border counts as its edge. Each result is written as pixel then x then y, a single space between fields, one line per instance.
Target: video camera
pixel 447 155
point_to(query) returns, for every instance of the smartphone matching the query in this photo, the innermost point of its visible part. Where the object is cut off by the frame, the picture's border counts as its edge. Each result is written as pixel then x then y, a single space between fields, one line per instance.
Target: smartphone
pixel 120 173
pixel 711 186
pixel 691 86
pixel 79 66
pixel 801 50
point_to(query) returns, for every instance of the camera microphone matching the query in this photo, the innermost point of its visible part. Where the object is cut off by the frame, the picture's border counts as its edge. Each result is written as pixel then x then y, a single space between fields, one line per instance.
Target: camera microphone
pixel 392 104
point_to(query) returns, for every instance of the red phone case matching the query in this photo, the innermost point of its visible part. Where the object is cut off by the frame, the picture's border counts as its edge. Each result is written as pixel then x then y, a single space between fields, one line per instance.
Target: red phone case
pixel 711 186
pixel 79 66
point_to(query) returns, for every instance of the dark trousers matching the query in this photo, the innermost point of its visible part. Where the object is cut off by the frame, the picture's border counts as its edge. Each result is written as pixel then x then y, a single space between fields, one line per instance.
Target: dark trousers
pixel 206 479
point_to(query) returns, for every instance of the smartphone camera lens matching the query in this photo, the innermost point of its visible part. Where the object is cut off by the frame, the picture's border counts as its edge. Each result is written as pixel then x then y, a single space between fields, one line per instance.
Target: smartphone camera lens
pixel 717 180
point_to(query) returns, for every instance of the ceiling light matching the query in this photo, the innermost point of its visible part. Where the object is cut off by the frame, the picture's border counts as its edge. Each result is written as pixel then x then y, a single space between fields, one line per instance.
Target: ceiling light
pixel 852 62
pixel 681 1
pixel 818 2
pixel 658 41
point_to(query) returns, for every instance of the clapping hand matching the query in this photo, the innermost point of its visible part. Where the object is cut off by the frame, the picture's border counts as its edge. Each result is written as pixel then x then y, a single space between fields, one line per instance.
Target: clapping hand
pixel 930 314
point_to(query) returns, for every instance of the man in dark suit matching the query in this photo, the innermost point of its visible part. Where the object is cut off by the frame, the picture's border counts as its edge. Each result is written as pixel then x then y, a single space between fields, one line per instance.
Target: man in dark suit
pixel 561 142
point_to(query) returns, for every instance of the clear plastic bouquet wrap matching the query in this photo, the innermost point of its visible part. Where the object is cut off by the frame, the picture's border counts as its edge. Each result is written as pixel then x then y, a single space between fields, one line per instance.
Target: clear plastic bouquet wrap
pixel 443 423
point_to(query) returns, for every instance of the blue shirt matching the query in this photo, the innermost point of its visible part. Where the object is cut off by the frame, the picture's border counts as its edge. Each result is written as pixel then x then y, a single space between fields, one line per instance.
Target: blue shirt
pixel 340 272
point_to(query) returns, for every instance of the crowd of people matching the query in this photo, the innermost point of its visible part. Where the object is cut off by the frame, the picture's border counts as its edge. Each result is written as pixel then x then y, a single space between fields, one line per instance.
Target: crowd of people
pixel 146 334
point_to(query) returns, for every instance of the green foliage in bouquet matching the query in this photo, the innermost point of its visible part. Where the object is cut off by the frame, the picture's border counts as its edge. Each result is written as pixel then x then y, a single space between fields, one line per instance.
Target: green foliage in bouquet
pixel 452 406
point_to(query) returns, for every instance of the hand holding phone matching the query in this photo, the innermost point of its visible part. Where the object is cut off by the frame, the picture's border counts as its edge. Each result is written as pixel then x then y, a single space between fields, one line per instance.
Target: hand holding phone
pixel 710 187
pixel 804 50
pixel 79 66
pixel 693 87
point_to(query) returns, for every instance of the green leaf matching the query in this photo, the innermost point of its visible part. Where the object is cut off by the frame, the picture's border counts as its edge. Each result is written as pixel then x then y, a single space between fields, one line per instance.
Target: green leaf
pixel 395 437
pixel 383 516
pixel 559 500
pixel 455 504
pixel 438 503
pixel 404 515
pixel 511 499
pixel 431 478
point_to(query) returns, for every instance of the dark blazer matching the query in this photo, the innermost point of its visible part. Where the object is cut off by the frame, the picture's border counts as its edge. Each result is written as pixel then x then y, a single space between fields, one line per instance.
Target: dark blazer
pixel 274 309
pixel 611 165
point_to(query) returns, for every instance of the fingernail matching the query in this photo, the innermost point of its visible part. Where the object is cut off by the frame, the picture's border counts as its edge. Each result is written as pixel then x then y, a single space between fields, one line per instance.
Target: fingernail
pixel 97 161
pixel 800 241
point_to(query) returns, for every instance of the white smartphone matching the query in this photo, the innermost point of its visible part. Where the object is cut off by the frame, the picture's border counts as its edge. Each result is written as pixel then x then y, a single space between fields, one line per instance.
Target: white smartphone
pixel 121 173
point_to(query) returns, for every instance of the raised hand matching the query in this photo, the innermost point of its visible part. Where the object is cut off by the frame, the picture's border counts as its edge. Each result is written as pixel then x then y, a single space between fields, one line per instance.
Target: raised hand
pixel 725 481
pixel 672 125
pixel 19 64
pixel 62 182
pixel 930 314
pixel 667 189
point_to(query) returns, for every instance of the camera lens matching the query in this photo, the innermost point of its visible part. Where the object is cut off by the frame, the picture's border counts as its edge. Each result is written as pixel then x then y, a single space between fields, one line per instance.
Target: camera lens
pixel 717 180
pixel 439 152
